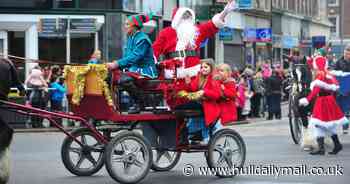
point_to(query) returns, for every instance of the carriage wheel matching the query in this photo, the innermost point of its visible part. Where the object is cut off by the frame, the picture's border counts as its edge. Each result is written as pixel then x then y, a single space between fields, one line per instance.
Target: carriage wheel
pixel 128 157
pixel 295 123
pixel 164 160
pixel 226 150
pixel 86 160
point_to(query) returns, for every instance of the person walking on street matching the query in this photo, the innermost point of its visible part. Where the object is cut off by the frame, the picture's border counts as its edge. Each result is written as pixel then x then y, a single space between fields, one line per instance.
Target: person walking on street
pixel 326 114
pixel 343 99
pixel 273 95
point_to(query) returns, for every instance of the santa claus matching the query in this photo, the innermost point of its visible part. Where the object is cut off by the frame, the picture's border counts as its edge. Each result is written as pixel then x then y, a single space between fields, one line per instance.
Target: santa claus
pixel 326 114
pixel 180 43
pixel 177 47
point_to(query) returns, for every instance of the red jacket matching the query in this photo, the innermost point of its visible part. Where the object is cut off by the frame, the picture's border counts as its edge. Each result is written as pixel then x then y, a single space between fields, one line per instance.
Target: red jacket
pixel 212 94
pixel 227 102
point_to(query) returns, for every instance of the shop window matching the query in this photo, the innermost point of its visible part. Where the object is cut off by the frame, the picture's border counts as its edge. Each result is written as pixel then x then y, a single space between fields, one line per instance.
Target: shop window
pixel 64 3
pixel 100 4
pixel 1 46
pixel 144 6
pixel 35 4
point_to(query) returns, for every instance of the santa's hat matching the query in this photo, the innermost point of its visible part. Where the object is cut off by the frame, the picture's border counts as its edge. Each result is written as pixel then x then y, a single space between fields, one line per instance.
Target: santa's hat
pixel 320 63
pixel 140 20
pixel 177 16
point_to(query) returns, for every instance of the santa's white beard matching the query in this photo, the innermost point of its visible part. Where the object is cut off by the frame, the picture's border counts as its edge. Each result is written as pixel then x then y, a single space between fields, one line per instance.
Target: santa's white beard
pixel 186 35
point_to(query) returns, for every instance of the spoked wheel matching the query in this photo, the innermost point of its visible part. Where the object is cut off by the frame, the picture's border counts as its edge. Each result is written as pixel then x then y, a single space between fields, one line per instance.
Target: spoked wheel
pixel 128 157
pixel 83 160
pixel 295 122
pixel 226 150
pixel 164 160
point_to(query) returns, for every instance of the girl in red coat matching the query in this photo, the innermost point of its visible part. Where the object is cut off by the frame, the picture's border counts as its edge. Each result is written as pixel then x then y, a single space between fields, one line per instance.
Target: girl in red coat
pixel 326 114
pixel 227 100
pixel 205 91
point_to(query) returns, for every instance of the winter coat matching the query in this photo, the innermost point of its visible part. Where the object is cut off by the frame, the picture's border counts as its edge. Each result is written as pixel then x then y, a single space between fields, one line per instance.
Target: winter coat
pixel 211 90
pixel 227 101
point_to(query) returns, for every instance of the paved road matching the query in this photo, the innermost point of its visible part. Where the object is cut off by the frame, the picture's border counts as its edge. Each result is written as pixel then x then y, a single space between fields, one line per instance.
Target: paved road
pixel 36 160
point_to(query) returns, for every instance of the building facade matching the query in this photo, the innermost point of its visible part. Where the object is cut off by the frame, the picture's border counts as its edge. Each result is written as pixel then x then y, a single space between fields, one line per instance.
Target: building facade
pixel 92 25
pixel 340 30
pixel 295 24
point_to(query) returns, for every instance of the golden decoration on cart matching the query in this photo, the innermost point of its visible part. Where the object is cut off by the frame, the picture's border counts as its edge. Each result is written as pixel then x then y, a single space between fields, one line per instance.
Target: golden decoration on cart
pixel 89 79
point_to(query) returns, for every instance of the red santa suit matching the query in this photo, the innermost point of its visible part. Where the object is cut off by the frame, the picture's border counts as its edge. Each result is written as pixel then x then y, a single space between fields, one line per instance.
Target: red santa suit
pixel 227 102
pixel 326 114
pixel 168 49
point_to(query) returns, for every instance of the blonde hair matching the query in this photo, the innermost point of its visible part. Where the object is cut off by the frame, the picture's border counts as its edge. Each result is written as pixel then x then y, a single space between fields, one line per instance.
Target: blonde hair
pixel 225 67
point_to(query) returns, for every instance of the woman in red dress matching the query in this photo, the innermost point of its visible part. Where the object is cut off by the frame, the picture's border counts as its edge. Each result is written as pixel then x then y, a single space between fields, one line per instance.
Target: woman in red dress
pixel 326 114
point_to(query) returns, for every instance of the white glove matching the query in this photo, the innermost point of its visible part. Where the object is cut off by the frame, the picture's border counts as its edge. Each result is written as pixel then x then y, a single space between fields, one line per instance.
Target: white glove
pixel 334 87
pixel 231 6
pixel 303 102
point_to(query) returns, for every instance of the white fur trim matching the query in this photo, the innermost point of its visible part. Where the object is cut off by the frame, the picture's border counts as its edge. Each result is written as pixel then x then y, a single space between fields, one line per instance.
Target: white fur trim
pixel 4 166
pixel 217 21
pixel 182 72
pixel 324 85
pixel 178 16
pixel 339 73
pixel 327 124
pixel 303 102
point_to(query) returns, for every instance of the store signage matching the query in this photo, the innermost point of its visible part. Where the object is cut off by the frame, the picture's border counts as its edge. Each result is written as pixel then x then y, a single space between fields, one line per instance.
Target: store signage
pixel 258 35
pixel 290 42
pixel 250 35
pixel 226 34
pixel 318 41
pixel 58 27
pixel 245 4
pixel 52 27
pixel 264 35
pixel 83 25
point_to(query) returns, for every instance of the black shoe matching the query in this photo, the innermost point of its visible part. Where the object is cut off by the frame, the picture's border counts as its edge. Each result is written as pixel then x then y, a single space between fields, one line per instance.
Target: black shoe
pixel 337 146
pixel 320 151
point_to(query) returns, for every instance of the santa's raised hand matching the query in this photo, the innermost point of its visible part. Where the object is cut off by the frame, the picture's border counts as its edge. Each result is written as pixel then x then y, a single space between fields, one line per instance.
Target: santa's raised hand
pixel 230 6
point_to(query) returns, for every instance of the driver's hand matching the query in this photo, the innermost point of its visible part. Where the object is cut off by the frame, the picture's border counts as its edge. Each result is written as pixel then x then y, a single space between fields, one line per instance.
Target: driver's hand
pixel 112 65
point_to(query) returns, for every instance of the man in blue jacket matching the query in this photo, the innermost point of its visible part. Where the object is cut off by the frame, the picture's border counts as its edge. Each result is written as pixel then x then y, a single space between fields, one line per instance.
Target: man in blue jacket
pixel 137 59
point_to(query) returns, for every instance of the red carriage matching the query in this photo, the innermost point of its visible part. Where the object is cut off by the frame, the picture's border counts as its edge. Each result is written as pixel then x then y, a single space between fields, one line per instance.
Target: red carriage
pixel 129 145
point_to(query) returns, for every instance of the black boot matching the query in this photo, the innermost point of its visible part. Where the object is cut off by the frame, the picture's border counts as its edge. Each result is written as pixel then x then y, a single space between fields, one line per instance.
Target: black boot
pixel 270 116
pixel 320 151
pixel 337 145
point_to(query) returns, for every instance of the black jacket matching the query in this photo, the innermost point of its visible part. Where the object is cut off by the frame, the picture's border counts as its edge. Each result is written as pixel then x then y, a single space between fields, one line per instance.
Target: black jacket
pixel 342 65
pixel 273 85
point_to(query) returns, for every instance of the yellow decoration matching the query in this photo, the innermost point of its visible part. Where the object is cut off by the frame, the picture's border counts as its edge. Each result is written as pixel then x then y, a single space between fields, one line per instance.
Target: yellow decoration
pixel 76 81
pixel 193 96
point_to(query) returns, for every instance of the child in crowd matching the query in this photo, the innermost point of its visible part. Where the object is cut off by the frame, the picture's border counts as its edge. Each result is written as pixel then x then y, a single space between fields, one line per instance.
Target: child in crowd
pixel 227 100
pixel 205 91
pixel 243 99
pixel 95 57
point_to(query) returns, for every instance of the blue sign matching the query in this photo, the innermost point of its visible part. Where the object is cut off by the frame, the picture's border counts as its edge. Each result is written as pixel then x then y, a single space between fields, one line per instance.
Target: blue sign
pixel 318 41
pixel 289 42
pixel 258 35
pixel 264 35
pixel 250 34
pixel 245 4
pixel 226 33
